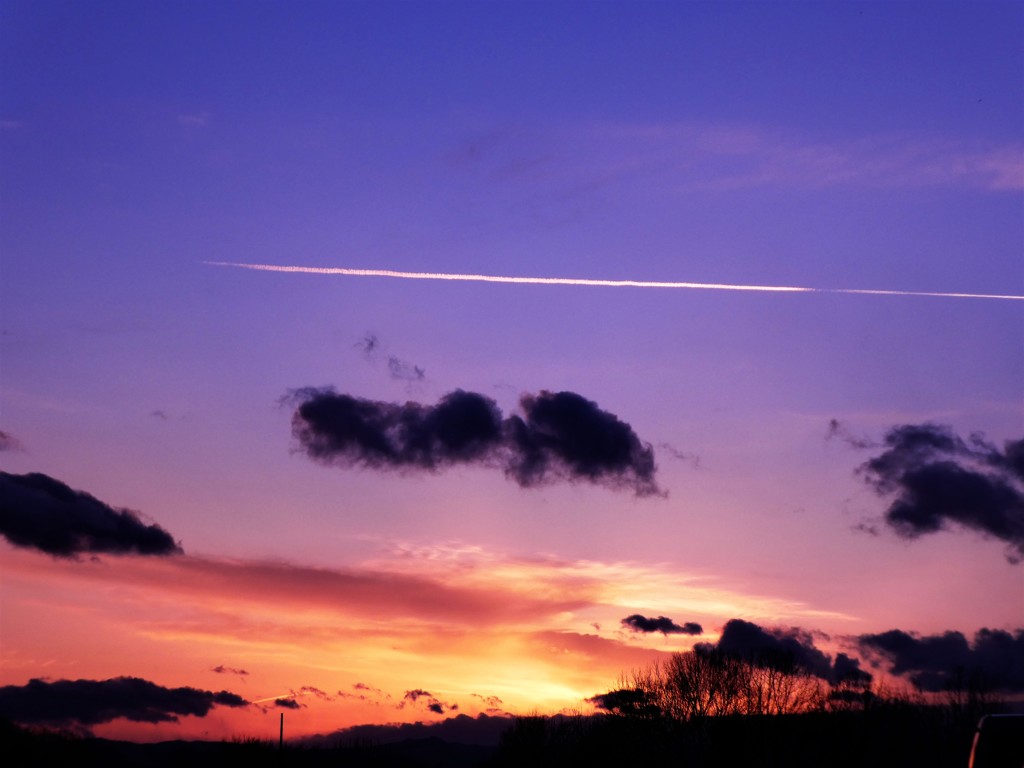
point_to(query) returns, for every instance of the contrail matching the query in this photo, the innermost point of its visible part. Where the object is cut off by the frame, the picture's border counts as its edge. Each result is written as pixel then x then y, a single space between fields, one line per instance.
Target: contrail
pixel 592 282
pixel 274 698
pixel 291 695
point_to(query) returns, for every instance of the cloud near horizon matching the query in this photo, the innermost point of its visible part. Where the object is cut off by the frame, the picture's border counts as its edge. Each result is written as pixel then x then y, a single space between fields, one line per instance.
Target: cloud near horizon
pixel 41 513
pixel 933 663
pixel 559 436
pixel 371 692
pixel 940 480
pixel 92 702
pixel 9 442
pixel 220 669
pixel 782 648
pixel 427 700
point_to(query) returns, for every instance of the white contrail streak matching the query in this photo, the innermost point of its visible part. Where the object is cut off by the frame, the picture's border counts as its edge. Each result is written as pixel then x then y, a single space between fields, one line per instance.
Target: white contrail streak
pixel 589 281
pixel 274 698
pixel 291 695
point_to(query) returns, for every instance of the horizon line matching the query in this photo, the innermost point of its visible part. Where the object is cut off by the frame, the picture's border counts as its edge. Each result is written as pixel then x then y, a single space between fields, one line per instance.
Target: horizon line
pixel 480 278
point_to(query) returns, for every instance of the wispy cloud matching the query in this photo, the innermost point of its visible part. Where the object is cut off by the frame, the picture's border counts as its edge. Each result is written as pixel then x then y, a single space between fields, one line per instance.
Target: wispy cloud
pixel 220 669
pixel 722 157
pixel 9 442
pixel 564 165
pixel 194 120
pixel 453 620
pixel 428 701
pixel 399 369
pixel 607 589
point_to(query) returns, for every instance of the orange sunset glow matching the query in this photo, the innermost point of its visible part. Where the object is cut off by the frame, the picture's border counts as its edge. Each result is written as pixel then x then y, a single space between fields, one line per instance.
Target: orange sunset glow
pixel 481 632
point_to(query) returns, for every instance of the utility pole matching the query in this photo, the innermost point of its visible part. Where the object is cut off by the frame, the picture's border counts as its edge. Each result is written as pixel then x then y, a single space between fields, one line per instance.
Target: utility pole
pixel 280 742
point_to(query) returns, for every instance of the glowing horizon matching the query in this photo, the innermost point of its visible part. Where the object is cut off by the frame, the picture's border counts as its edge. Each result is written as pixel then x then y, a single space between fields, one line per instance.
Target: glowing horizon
pixel 527 280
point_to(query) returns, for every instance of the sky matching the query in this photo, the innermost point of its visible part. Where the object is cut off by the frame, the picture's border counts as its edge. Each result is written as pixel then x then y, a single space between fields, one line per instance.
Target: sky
pixel 357 498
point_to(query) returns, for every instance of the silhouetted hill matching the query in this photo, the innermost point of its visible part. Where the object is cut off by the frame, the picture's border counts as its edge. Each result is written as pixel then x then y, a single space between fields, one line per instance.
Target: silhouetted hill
pixel 896 737
pixel 25 748
pixel 483 730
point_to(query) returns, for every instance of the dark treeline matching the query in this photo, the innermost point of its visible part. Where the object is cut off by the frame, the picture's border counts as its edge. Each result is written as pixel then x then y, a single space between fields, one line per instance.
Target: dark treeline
pixel 885 736
pixel 709 708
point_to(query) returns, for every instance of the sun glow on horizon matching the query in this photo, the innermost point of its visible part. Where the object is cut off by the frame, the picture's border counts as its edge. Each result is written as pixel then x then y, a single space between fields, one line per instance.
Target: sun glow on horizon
pixel 556 640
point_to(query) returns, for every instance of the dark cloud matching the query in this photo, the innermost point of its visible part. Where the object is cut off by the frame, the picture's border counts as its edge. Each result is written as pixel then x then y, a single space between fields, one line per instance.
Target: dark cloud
pixel 690 458
pixel 349 431
pixel 939 662
pixel 403 370
pixel 1012 458
pixel 662 624
pixel 560 436
pixel 370 689
pixel 784 649
pixel 366 693
pixel 847 670
pixel 41 513
pixel 369 345
pixel 427 700
pixel 776 648
pixel 398 369
pixel 868 528
pixel 839 431
pixel 939 479
pixel 564 435
pixel 309 690
pixel 222 670
pixel 631 701
pixel 9 442
pixel 90 702
pixel 492 702
pixel 417 694
pixel 291 701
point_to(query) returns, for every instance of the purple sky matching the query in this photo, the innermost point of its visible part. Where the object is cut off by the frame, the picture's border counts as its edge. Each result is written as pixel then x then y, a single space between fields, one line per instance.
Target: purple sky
pixel 829 145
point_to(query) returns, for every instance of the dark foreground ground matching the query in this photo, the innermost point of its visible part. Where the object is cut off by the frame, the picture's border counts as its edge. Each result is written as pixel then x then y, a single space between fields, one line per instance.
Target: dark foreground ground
pixel 916 737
